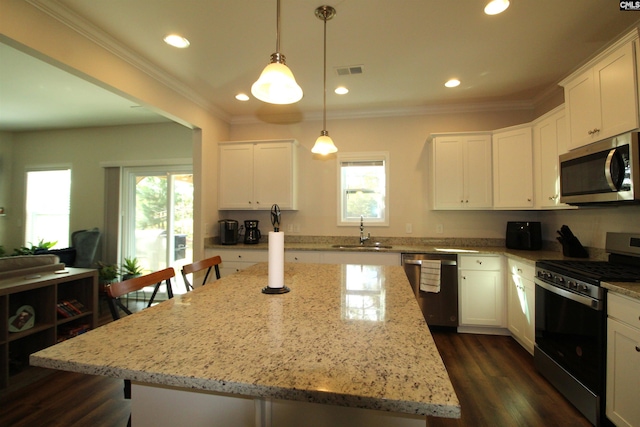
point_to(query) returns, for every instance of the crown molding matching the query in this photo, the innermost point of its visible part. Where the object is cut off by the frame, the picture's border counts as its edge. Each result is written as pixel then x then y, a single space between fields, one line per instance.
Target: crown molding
pixel 86 29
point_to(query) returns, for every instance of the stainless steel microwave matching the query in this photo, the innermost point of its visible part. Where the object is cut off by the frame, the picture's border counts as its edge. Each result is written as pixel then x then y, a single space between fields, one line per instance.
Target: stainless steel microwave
pixel 602 172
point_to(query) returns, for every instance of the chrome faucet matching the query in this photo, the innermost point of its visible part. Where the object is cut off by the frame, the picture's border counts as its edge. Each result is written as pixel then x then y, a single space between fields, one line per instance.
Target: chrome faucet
pixel 362 236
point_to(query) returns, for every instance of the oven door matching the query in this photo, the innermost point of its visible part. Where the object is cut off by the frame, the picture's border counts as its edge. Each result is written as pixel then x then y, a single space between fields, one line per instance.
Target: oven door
pixel 570 329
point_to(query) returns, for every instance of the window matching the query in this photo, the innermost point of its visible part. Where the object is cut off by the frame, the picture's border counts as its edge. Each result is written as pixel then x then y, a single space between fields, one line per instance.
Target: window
pixel 47 207
pixel 363 188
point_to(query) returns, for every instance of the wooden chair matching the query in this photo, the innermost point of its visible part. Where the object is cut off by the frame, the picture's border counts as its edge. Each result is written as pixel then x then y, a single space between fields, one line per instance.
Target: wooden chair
pixel 117 290
pixel 199 266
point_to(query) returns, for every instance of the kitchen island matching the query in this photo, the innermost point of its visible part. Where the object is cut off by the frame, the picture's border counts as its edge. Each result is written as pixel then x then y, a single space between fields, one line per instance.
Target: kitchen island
pixel 347 346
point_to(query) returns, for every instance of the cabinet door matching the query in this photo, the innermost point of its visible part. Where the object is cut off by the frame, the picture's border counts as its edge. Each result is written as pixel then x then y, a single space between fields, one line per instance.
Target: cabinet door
pixel 623 373
pixel 274 179
pixel 616 75
pixel 513 169
pixel 478 177
pixel 481 298
pixel 302 256
pixel 235 186
pixel 529 331
pixel 582 110
pixel 448 177
pixel 549 139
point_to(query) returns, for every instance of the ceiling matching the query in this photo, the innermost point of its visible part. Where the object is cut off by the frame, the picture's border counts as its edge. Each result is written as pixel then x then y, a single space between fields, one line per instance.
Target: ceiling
pixel 407 49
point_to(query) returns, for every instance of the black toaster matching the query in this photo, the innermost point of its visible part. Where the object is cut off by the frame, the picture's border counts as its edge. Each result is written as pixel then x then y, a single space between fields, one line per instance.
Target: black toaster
pixel 524 235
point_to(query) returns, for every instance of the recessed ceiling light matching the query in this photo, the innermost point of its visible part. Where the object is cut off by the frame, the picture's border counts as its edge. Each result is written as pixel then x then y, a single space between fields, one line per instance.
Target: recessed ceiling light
pixel 452 83
pixel 341 90
pixel 495 7
pixel 242 97
pixel 176 41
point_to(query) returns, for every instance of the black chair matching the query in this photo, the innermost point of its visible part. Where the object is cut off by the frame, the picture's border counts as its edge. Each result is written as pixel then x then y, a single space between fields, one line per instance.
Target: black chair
pixel 199 266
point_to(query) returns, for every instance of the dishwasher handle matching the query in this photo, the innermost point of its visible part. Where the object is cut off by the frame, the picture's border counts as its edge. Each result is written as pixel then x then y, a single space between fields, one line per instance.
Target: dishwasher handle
pixel 419 262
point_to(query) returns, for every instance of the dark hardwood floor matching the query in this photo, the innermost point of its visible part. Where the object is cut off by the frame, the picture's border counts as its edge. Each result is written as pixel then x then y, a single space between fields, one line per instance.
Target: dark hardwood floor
pixel 493 376
pixel 498 385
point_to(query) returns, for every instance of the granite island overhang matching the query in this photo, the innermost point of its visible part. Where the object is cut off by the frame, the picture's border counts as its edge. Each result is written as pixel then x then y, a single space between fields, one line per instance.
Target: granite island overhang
pixel 346 335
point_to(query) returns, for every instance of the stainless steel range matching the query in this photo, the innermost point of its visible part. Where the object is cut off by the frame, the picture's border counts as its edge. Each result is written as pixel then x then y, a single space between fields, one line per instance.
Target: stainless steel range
pixel 570 348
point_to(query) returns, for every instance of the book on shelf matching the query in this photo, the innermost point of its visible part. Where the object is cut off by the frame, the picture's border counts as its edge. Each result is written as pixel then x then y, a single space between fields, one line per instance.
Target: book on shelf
pixel 65 333
pixel 70 308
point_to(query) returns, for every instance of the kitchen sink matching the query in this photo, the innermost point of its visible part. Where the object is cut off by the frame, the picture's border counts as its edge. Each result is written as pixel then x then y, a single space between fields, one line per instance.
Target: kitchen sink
pixel 362 247
pixel 455 250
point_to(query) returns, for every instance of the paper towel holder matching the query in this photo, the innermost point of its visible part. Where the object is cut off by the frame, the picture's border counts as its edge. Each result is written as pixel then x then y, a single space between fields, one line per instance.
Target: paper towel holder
pixel 275 291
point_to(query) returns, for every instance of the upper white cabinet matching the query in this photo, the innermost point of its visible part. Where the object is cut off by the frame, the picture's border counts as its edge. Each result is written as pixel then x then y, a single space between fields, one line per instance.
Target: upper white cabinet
pixel 549 141
pixel 602 97
pixel 258 174
pixel 461 171
pixel 513 168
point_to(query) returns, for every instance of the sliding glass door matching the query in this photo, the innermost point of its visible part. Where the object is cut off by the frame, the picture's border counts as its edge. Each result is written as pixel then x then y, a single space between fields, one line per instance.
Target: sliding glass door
pixel 157 223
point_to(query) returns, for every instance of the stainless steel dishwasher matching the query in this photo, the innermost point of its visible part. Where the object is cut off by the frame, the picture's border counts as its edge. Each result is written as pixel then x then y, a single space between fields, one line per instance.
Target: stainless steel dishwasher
pixel 439 309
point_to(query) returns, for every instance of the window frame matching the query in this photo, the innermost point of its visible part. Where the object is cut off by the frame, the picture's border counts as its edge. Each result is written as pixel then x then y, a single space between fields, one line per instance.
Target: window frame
pixel 371 156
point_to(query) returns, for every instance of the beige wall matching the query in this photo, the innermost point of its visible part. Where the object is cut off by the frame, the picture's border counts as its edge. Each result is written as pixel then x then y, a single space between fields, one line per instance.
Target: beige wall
pixel 32 31
pixel 410 196
pixel 6 155
pixel 86 151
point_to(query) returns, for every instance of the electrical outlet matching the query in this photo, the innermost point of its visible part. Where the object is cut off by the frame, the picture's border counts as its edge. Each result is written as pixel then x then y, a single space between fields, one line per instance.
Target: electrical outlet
pixel 296 228
pixel 289 228
pixel 439 229
pixel 408 228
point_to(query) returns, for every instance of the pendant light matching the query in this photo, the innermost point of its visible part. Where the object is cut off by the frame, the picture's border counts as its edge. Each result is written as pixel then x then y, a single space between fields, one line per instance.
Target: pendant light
pixel 324 144
pixel 276 84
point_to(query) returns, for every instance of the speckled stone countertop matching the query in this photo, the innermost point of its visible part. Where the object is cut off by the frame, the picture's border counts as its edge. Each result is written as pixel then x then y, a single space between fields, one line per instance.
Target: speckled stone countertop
pixel 629 289
pixel 345 335
pixel 550 250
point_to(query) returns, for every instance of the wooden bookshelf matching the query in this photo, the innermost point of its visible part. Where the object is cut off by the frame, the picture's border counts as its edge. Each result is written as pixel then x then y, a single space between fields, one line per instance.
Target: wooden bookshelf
pixel 43 293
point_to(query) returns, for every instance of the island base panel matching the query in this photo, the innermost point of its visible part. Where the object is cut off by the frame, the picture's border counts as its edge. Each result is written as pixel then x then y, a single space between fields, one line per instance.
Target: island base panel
pixel 160 406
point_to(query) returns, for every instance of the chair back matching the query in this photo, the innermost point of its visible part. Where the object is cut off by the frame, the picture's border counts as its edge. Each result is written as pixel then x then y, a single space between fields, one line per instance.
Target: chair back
pixel 155 279
pixel 199 266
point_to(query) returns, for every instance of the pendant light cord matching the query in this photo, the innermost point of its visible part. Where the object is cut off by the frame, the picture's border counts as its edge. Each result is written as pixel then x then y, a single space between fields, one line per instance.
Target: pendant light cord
pixel 278 27
pixel 324 95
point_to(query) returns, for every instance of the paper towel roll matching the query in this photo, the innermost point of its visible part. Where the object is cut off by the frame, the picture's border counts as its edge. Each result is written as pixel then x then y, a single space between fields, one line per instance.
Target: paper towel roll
pixel 276 259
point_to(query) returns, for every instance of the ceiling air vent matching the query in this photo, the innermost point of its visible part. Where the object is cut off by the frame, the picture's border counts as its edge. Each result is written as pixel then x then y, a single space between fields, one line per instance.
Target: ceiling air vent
pixel 349 70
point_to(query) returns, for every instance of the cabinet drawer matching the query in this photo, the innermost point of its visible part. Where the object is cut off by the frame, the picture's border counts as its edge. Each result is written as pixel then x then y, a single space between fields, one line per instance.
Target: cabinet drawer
pixel 302 256
pixel 624 309
pixel 244 255
pixel 521 269
pixel 480 262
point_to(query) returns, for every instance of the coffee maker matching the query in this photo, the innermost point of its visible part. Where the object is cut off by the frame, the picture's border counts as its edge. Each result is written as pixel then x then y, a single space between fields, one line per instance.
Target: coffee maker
pixel 228 231
pixel 251 233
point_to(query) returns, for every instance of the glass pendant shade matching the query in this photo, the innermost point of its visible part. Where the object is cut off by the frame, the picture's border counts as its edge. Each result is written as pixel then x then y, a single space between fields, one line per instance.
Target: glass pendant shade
pixel 495 7
pixel 276 85
pixel 324 145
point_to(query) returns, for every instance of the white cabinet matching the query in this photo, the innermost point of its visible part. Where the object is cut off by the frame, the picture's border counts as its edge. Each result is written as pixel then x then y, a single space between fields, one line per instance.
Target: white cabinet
pixel 549 141
pixel 521 303
pixel 257 174
pixel 481 291
pixel 365 258
pixel 623 360
pixel 302 256
pixel 513 168
pixel 461 165
pixel 602 97
pixel 234 260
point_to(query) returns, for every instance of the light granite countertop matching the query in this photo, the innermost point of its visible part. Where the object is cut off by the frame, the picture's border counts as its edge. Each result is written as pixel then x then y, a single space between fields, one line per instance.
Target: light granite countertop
pixel 345 335
pixel 629 289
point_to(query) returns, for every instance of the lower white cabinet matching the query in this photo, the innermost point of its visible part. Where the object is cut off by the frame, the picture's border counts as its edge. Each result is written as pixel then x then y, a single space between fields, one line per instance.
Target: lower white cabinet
pixel 234 260
pixel 623 360
pixel 481 291
pixel 521 303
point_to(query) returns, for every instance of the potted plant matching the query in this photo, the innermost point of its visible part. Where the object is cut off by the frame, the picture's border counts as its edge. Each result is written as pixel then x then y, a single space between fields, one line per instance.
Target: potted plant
pixel 107 274
pixel 131 268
